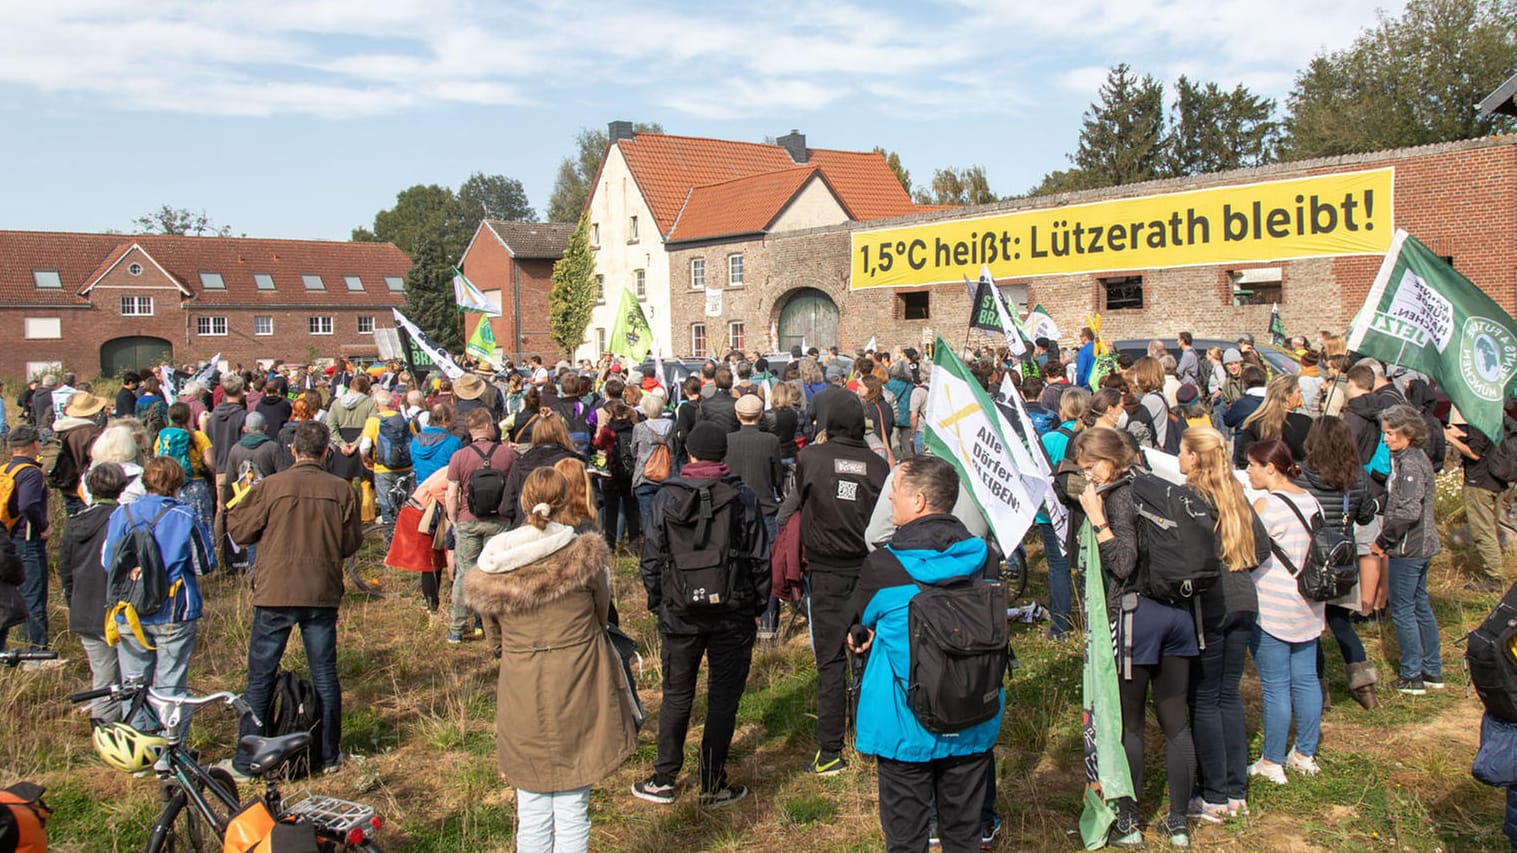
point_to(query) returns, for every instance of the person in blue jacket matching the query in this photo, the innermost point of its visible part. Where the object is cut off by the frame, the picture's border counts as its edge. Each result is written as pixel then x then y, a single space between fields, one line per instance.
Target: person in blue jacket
pixel 157 649
pixel 917 767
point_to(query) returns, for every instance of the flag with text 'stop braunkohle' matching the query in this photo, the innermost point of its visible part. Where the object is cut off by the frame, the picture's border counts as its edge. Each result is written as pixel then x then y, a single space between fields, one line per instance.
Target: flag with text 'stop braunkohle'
pixel 1423 315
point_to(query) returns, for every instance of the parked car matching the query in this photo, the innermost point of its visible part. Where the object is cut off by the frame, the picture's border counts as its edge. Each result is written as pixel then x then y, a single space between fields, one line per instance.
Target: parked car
pixel 1278 360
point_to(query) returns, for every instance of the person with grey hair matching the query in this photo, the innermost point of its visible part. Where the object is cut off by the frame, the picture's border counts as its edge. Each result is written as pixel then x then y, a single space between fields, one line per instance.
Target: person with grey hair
pixel 650 433
pixel 120 443
pixel 1409 536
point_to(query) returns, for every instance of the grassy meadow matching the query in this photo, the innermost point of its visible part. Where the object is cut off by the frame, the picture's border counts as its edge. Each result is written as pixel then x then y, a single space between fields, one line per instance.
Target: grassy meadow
pixel 419 717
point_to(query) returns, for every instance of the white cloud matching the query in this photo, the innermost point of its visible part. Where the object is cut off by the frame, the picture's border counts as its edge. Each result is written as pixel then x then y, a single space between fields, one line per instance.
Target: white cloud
pixel 717 59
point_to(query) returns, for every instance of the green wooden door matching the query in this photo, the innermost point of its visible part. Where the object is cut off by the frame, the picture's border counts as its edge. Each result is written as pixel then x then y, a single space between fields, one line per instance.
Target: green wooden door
pixel 809 319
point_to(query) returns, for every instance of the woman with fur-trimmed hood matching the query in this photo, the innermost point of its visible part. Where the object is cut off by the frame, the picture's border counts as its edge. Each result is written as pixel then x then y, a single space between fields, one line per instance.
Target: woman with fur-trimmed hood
pixel 565 715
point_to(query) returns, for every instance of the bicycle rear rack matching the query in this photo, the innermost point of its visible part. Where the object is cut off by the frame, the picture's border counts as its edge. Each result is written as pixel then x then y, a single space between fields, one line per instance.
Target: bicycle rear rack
pixel 330 813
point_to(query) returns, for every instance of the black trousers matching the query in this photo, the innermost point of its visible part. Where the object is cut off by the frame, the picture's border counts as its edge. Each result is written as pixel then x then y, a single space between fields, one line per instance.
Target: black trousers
pixel 830 621
pixel 620 503
pixel 907 793
pixel 728 654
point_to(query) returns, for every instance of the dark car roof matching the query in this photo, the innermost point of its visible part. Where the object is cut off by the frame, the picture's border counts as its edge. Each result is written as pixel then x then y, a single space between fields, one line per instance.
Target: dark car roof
pixel 1279 360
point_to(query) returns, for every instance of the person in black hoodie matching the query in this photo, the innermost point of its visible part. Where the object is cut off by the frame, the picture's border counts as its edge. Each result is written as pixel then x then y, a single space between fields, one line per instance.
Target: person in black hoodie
pixel 84 581
pixel 721 407
pixel 723 634
pixel 225 430
pixel 837 485
pixel 274 405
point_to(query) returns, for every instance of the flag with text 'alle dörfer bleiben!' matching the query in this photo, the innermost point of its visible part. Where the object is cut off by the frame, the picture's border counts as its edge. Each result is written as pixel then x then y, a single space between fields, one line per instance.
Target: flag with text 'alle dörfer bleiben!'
pixel 1423 315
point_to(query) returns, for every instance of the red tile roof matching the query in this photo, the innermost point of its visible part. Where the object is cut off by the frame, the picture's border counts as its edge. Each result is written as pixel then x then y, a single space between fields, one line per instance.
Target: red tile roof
pixel 666 168
pixel 80 259
pixel 741 206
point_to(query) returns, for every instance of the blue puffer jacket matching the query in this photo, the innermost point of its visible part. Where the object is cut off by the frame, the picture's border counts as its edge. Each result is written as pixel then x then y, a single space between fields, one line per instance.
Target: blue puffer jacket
pixel 186 548
pixel 931 549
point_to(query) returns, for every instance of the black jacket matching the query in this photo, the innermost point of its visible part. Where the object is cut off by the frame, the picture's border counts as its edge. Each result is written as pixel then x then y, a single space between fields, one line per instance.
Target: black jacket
pixel 1362 414
pixel 225 429
pixel 751 594
pixel 721 409
pixel 837 485
pixel 126 403
pixel 1361 500
pixel 754 456
pixel 537 456
pixel 686 416
pixel 80 570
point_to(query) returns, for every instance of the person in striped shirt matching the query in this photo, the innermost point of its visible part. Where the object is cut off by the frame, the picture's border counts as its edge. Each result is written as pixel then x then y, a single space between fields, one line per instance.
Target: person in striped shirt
pixel 1285 638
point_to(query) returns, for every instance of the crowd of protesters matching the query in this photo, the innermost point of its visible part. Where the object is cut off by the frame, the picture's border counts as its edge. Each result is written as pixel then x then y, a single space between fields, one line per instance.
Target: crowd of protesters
pixel 510 493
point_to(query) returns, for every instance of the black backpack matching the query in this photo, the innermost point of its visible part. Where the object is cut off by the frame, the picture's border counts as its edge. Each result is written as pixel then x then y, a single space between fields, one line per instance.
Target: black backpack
pixel 296 707
pixel 1177 540
pixel 486 489
pixel 1501 461
pixel 703 530
pixel 623 461
pixel 1332 561
pixel 1491 654
pixel 393 449
pixel 147 592
pixel 959 653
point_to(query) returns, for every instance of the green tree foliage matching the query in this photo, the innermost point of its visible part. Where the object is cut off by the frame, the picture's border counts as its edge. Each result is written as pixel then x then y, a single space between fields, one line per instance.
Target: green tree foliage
pixel 430 225
pixel 893 160
pixel 179 221
pixel 1212 130
pixel 571 189
pixel 957 187
pixel 1412 80
pixel 1062 181
pixel 494 197
pixel 574 290
pixel 1122 138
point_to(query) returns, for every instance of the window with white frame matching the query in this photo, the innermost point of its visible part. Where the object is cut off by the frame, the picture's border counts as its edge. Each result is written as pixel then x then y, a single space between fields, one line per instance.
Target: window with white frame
pixel 212 281
pixel 595 235
pixel 136 306
pixel 640 283
pixel 697 273
pixel 366 325
pixel 698 340
pixel 264 280
pixel 42 328
pixel 735 337
pixel 313 281
pixel 600 340
pixel 210 326
pixel 353 282
pixel 600 290
pixel 734 270
pixel 47 279
pixel 263 325
pixel 319 325
pixel 632 230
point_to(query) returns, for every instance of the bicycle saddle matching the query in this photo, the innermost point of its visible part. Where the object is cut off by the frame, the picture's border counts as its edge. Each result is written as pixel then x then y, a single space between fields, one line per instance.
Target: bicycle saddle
pixel 270 752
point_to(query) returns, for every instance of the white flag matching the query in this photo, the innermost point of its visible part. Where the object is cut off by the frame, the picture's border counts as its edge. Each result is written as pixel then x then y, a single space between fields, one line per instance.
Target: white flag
pixel 422 341
pixel 1058 514
pixel 1009 326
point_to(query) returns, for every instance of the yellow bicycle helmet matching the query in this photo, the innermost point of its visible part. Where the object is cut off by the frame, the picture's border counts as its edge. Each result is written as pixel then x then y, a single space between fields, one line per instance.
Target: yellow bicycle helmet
pixel 125 748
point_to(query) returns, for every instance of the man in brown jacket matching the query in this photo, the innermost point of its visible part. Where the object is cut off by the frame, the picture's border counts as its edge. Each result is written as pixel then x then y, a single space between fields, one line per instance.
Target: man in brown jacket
pixel 307 523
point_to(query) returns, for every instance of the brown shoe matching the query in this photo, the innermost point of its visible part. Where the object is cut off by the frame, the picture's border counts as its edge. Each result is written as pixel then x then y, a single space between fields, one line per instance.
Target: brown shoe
pixel 1361 682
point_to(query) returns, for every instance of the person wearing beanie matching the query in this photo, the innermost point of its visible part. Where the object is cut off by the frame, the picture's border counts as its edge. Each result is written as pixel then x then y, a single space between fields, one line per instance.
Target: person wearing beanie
pixel 706 608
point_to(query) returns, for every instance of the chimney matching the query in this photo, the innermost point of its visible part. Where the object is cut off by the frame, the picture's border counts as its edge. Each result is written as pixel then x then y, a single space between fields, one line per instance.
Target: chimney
pixel 794 144
pixel 620 130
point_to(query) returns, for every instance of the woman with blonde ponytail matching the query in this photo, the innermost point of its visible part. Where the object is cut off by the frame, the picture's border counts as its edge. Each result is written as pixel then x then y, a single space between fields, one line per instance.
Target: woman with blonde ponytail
pixel 1228 612
pixel 564 715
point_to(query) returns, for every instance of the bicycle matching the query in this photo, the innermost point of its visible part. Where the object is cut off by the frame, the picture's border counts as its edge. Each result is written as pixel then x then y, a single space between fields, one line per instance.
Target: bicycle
pixel 1014 573
pixel 15 657
pixel 200 802
pixel 361 576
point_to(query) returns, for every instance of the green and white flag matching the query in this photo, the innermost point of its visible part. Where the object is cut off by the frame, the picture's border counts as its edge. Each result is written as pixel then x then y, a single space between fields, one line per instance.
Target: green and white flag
pixel 1423 315
pixel 631 335
pixel 482 342
pixel 1107 776
pixel 1040 325
pixel 1276 326
pixel 470 298
pixel 964 427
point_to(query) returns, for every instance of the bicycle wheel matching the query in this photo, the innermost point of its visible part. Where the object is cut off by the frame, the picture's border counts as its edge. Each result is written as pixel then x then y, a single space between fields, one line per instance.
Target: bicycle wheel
pixel 181 828
pixel 1014 574
pixel 365 571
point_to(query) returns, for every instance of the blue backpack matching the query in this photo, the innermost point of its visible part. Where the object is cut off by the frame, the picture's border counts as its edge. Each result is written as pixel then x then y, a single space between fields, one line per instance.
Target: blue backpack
pixel 1379 466
pixel 393 449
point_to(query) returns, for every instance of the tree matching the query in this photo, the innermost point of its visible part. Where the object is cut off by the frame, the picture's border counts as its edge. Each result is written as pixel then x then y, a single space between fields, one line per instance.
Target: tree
pixel 957 187
pixel 574 290
pixel 494 197
pixel 1212 130
pixel 431 227
pixel 893 160
pixel 1062 181
pixel 1412 80
pixel 571 189
pixel 179 221
pixel 1122 135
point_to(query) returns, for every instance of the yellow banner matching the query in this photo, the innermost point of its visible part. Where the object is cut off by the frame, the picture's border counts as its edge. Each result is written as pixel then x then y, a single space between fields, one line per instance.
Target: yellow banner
pixel 1341 214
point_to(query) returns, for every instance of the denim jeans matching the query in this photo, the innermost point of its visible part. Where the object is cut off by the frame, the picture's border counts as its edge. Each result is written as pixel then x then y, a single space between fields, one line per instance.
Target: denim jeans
pixel 1288 680
pixel 1217 713
pixel 266 644
pixel 166 667
pixel 557 822
pixel 1339 621
pixel 1059 590
pixel 33 554
pixel 1416 629
pixel 644 495
pixel 470 536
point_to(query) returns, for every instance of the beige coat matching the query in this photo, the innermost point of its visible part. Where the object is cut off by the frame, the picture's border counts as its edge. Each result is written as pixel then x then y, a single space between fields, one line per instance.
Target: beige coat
pixel 564 715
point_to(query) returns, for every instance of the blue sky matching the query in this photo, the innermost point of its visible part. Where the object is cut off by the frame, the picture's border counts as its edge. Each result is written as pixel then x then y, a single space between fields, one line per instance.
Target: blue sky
pixel 302 118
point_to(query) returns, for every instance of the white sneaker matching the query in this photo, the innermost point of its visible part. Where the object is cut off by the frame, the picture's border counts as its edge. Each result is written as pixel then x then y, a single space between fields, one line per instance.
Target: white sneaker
pixel 1268 770
pixel 1302 763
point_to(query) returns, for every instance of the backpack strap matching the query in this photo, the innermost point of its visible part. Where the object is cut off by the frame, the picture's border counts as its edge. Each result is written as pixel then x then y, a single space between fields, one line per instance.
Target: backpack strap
pixel 1274 547
pixel 485 455
pixel 704 517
